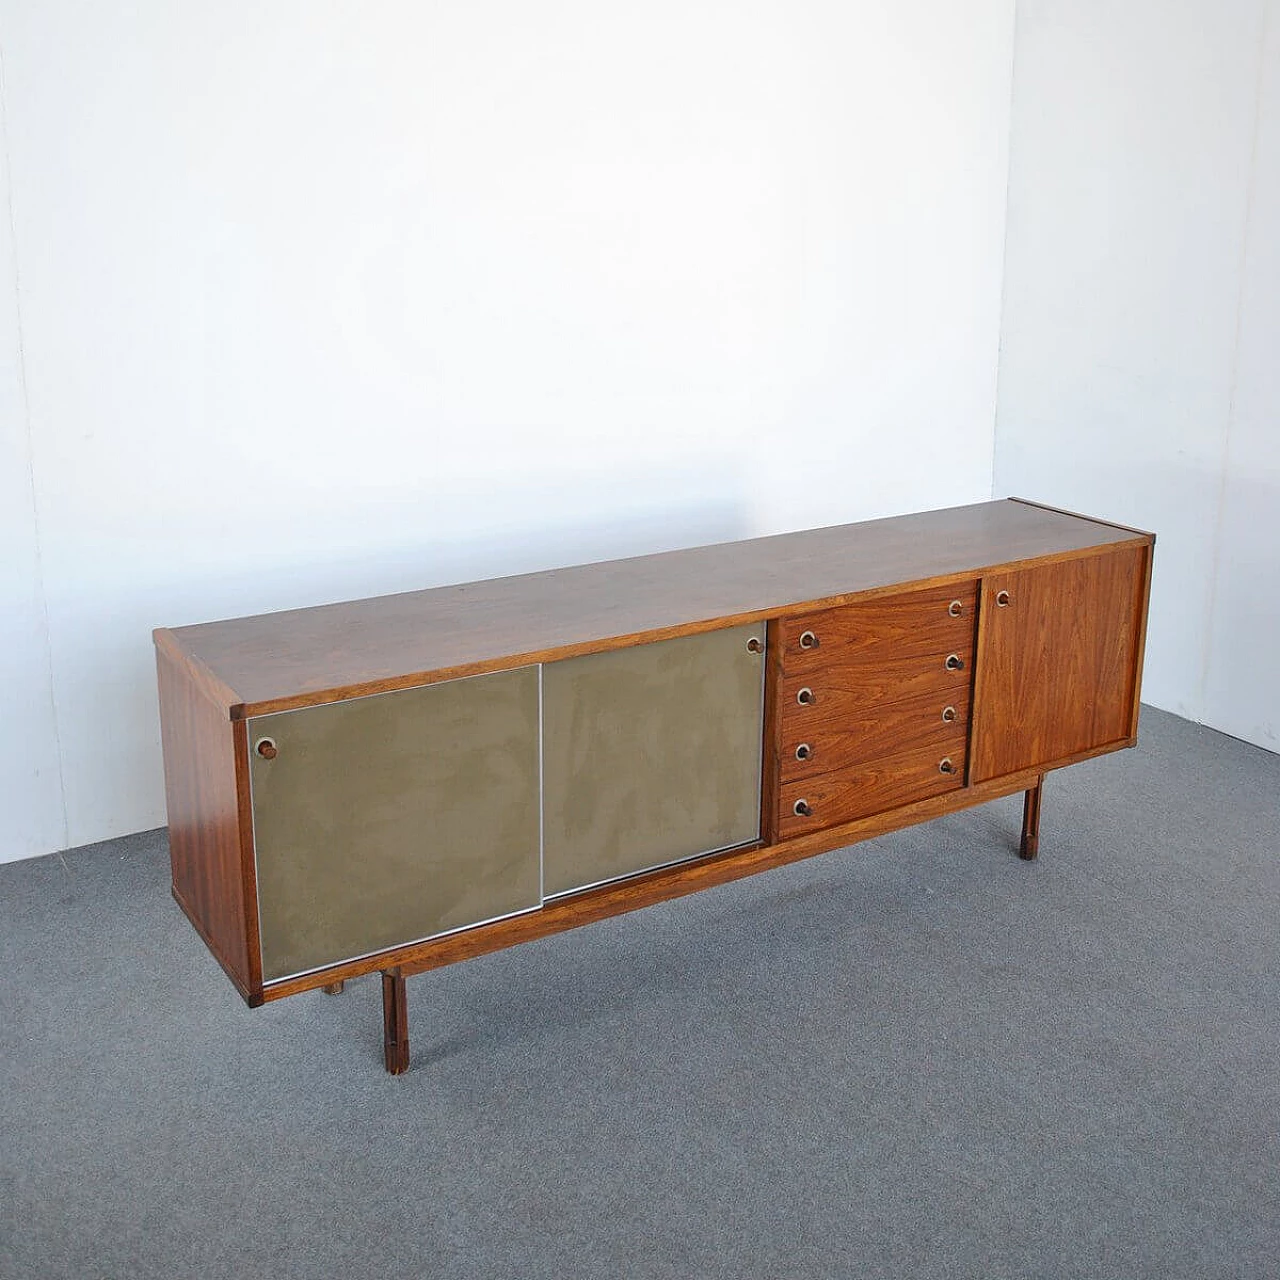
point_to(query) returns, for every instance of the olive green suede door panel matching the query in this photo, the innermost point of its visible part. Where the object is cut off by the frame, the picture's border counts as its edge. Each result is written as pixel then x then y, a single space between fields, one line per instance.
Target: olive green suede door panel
pixel 383 820
pixel 650 755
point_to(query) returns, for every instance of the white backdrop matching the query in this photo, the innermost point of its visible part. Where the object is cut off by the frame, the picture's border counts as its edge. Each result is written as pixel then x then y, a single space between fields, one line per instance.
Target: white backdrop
pixel 1140 365
pixel 316 300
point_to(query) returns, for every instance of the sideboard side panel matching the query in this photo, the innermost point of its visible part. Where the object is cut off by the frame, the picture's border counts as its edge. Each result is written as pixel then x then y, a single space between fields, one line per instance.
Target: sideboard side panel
pixel 202 795
pixel 1140 636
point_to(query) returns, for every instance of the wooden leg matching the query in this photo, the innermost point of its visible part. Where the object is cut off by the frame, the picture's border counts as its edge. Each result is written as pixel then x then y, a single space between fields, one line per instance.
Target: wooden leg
pixel 1031 822
pixel 333 988
pixel 395 1022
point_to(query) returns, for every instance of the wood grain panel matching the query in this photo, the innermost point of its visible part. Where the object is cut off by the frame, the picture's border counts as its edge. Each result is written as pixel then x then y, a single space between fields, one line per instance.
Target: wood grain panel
pixel 302 657
pixel 1058 661
pixel 888 627
pixel 863 789
pixel 915 671
pixel 204 781
pixel 771 764
pixel 876 652
pixel 1147 555
pixel 842 738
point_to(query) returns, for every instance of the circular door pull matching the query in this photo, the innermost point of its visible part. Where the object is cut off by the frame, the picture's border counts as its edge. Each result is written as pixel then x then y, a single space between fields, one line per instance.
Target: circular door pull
pixel 808 640
pixel 955 662
pixel 805 697
pixel 754 645
pixel 801 809
pixel 948 714
pixel 955 608
pixel 1002 599
pixel 266 748
pixel 945 765
pixel 804 752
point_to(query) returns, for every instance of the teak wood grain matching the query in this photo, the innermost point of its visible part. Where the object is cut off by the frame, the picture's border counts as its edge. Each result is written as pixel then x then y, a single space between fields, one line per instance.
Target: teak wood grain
pixel 206 797
pixel 868 787
pixel 301 657
pixel 883 629
pixel 770 758
pixel 1059 660
pixel 859 733
pixel 916 671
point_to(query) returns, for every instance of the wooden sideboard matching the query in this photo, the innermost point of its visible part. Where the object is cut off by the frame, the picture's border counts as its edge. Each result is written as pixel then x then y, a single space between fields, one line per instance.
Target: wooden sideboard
pixel 397 783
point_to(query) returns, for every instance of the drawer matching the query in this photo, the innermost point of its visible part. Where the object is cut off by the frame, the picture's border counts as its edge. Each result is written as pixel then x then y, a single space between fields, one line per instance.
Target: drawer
pixel 870 633
pixel 865 789
pixel 844 691
pixel 828 743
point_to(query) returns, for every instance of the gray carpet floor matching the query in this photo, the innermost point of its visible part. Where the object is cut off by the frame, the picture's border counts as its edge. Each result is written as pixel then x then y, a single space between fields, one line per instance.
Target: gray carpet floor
pixel 916 1058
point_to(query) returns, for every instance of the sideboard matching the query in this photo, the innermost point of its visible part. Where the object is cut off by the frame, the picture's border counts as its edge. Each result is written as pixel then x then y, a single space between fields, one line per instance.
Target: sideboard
pixel 393 784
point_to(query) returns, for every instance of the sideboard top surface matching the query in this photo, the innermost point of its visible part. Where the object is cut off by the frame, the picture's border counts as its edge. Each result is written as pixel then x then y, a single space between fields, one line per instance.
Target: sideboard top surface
pixel 300 657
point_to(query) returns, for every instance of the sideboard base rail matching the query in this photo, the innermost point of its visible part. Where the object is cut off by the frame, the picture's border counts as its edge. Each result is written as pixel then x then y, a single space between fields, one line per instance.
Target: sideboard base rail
pixel 672 882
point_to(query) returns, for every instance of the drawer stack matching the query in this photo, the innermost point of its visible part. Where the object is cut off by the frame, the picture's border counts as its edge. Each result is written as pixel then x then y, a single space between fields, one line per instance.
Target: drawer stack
pixel 873 705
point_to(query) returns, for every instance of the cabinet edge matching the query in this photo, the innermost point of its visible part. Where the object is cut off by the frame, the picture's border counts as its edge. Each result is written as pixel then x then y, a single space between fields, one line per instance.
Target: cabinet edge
pixel 504 662
pixel 1079 515
pixel 209 684
pixel 1140 637
pixel 205 758
pixel 251 998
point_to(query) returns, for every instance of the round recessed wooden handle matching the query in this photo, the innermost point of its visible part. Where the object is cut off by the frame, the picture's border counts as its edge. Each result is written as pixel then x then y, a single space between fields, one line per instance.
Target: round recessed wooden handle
pixel 804 752
pixel 801 809
pixel 956 608
pixel 1002 599
pixel 755 645
pixel 955 662
pixel 948 714
pixel 266 748
pixel 808 640
pixel 945 765
pixel 805 697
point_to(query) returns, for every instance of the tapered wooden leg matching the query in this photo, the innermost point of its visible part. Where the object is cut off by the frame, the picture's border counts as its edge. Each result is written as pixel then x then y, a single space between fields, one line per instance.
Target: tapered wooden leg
pixel 1031 822
pixel 395 1022
pixel 333 988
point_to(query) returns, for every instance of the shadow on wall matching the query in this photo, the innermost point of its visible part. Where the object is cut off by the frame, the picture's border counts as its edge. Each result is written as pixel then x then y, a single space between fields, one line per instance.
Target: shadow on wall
pixel 408 542
pixel 670 517
pixel 334 547
pixel 1242 682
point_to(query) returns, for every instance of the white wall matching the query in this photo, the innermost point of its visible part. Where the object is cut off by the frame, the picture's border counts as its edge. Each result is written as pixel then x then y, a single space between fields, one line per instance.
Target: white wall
pixel 1242 674
pixel 30 788
pixel 322 300
pixel 1142 318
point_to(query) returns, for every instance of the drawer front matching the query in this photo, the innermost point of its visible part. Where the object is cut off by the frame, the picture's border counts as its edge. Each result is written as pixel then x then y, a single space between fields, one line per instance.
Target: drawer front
pixel 872 699
pixel 845 795
pixel 888 629
pixel 823 742
pixel 839 693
